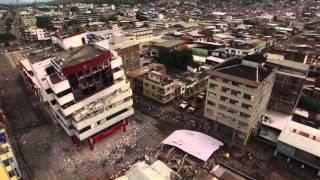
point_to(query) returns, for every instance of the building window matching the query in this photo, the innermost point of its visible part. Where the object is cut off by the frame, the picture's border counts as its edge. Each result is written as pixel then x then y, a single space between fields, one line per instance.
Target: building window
pixel 247 96
pixel 11 173
pixel 244 115
pixel 211 103
pixel 63 93
pixel 212 86
pixel 223 107
pixel 209 111
pixel 116 114
pixel 225 81
pixel 84 129
pixel 246 106
pixel 153 87
pixel 225 90
pixel 53 102
pixel 222 98
pixel 235 93
pixel 242 124
pixel 6 162
pixel 146 84
pixel 233 101
pixel 232 111
pixel 235 83
pixel 48 91
pixel 210 94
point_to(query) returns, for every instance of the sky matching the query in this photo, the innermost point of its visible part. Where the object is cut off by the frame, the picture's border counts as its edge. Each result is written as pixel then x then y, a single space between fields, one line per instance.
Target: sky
pixel 21 1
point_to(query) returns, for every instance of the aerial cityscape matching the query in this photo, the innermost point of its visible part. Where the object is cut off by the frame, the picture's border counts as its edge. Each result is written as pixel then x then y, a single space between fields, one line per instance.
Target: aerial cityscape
pixel 160 89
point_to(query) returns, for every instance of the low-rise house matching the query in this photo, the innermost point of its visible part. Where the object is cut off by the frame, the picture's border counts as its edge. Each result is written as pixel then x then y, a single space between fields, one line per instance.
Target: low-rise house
pixel 171 44
pixel 137 76
pixel 301 143
pixel 33 34
pixel 159 87
pixel 141 33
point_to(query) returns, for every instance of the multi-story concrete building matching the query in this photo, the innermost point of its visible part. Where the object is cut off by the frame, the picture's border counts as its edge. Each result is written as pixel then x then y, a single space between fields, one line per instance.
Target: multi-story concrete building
pixel 9 169
pixel 87 17
pixel 129 51
pixel 70 41
pixel 287 88
pixel 34 34
pixel 141 33
pixel 238 93
pixel 137 76
pixel 28 21
pixel 85 88
pixel 248 47
pixel 158 87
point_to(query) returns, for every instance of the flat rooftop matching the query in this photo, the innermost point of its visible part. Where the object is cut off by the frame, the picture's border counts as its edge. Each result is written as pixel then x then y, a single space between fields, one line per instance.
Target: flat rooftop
pixel 170 43
pixel 145 69
pixel 302 137
pixel 248 71
pixel 276 120
pixel 78 55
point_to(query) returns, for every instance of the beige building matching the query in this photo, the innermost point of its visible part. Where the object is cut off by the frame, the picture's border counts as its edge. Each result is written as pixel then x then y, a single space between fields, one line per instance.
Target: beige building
pixel 159 87
pixel 238 93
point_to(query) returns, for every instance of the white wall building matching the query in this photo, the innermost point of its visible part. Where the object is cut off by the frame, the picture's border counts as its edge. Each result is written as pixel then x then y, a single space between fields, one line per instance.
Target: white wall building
pixel 67 42
pixel 85 88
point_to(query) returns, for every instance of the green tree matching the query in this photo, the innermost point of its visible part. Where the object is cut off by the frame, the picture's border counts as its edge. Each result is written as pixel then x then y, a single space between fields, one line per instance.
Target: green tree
pixel 310 104
pixel 74 9
pixel 44 22
pixel 113 18
pixel 73 22
pixel 103 19
pixel 141 17
pixel 6 38
pixel 175 58
pixel 8 23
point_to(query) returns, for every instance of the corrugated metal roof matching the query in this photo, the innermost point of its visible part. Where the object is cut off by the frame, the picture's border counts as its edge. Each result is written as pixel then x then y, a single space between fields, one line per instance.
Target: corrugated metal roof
pixel 301 137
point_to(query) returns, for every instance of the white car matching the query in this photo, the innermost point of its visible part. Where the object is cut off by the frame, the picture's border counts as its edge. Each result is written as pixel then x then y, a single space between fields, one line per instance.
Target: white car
pixel 183 105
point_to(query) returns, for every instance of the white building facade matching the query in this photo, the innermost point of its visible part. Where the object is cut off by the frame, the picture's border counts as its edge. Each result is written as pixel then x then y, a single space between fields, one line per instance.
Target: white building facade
pixel 89 99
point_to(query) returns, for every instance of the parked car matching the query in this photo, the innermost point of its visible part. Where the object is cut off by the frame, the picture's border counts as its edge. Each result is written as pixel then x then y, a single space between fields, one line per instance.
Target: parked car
pixel 201 96
pixel 193 107
pixel 184 105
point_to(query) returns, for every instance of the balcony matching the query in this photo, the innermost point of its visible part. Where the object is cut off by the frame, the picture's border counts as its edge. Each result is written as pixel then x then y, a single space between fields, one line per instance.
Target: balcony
pixel 117 62
pixel 81 123
pixel 57 85
pixel 105 92
pixel 65 99
pixel 105 125
pixel 118 73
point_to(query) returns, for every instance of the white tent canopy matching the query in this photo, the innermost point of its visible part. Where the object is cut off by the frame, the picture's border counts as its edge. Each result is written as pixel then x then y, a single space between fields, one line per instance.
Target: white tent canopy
pixel 194 143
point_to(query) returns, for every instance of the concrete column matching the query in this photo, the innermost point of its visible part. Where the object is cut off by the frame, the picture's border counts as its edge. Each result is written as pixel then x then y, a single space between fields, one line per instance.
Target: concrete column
pixel 215 128
pixel 302 166
pixel 275 153
pixel 234 133
pixel 319 173
pixel 288 159
pixel 90 142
